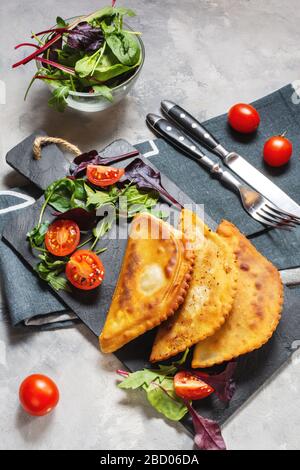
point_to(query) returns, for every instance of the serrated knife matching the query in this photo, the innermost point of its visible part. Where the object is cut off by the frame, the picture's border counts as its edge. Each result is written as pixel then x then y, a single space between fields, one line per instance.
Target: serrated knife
pixel 233 160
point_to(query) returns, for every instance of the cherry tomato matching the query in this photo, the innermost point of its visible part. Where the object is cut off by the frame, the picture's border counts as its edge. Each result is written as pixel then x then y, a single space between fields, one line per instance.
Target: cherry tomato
pixel 243 118
pixel 62 237
pixel 103 175
pixel 278 150
pixel 38 395
pixel 85 270
pixel 191 387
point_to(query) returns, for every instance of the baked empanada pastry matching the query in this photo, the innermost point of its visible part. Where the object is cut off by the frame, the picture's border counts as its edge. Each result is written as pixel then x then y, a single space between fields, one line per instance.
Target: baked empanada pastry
pixel 256 309
pixel 210 295
pixel 153 281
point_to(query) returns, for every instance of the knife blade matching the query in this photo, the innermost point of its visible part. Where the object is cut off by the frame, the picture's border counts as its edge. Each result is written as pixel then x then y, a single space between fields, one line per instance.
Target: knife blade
pixel 290 277
pixel 233 160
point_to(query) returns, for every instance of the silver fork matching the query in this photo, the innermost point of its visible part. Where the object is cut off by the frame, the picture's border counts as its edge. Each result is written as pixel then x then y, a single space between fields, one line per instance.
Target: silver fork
pixel 260 208
pixel 257 206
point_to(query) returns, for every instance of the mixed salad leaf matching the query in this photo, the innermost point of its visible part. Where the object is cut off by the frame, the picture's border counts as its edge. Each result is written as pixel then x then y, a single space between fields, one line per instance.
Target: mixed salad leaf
pixel 158 384
pixel 92 54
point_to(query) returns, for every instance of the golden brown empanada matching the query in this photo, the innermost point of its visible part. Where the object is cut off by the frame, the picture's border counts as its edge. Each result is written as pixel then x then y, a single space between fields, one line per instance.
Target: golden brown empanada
pixel 256 308
pixel 153 281
pixel 210 295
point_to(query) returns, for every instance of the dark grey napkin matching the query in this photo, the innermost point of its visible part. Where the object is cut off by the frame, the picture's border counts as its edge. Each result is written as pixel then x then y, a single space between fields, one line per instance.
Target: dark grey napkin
pixel 26 297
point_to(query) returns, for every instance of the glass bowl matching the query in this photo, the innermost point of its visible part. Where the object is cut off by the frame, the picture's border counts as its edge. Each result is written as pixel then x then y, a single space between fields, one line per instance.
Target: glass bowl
pixel 93 102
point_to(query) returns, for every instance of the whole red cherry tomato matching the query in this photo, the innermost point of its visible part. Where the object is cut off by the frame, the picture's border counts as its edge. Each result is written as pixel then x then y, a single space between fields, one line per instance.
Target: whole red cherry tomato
pixel 38 395
pixel 278 150
pixel 243 118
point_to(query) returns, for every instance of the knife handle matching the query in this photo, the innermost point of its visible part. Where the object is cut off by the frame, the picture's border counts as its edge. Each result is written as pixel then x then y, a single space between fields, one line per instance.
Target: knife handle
pixel 181 141
pixel 193 127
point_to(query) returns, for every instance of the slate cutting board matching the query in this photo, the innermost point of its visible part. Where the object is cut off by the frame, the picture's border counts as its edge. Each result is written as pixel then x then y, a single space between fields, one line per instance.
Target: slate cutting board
pixel 91 306
pixel 253 369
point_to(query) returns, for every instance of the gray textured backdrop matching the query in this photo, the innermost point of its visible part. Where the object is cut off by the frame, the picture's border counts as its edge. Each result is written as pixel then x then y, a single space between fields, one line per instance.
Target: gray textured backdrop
pixel 206 55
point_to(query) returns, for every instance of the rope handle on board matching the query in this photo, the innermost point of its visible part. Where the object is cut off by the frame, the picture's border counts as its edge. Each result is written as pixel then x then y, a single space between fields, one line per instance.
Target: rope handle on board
pixel 42 140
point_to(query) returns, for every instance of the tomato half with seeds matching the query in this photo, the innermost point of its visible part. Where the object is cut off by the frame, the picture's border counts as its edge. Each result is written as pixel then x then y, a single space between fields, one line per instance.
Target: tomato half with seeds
pixel 190 387
pixel 85 270
pixel 102 176
pixel 62 237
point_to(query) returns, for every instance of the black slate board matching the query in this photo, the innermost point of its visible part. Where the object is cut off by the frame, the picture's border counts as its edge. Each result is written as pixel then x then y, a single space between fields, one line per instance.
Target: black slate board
pixel 253 369
pixel 91 307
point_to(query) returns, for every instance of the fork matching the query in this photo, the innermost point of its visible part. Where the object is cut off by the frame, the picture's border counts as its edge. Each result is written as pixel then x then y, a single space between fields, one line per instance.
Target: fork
pixel 257 206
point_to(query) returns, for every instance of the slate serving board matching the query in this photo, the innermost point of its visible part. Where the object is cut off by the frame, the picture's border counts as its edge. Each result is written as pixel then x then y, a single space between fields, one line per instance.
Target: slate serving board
pixel 253 369
pixel 91 306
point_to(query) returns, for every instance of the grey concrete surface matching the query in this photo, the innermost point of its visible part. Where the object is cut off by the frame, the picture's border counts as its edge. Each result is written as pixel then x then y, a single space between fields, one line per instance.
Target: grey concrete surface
pixel 206 55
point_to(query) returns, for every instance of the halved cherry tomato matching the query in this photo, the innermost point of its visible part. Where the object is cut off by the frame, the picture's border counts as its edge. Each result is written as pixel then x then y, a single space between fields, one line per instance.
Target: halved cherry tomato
pixel 85 270
pixel 104 175
pixel 191 387
pixel 243 118
pixel 62 237
pixel 38 395
pixel 278 150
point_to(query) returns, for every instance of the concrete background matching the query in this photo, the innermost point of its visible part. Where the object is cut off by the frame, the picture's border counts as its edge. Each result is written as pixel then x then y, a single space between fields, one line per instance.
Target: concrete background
pixel 206 55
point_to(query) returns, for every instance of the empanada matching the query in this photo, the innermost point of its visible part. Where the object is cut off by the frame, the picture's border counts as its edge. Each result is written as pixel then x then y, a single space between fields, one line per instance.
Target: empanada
pixel 210 295
pixel 256 309
pixel 153 281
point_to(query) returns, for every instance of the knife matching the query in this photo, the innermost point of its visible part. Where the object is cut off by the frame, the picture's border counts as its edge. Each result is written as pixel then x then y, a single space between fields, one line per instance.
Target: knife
pixel 290 277
pixel 233 160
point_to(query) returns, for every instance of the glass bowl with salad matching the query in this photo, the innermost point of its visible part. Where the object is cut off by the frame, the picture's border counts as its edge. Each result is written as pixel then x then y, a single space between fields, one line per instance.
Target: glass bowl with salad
pixel 89 62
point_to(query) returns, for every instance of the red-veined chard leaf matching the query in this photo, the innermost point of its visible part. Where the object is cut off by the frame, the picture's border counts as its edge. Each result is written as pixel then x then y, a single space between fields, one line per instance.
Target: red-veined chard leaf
pixel 208 435
pixel 85 37
pixel 146 177
pixel 222 383
pixel 85 220
pixel 80 163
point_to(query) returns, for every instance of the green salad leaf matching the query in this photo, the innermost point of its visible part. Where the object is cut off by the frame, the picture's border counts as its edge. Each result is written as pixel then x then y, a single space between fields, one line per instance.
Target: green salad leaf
pixel 59 97
pixel 50 268
pixel 125 47
pixel 104 91
pixel 66 194
pixel 36 236
pixel 164 399
pixel 158 385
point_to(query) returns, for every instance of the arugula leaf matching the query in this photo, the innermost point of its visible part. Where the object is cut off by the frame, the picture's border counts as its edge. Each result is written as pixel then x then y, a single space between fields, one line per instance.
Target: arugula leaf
pixel 97 198
pixel 50 268
pixel 104 91
pixel 103 226
pixel 60 22
pixel 59 97
pixel 58 283
pixel 36 236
